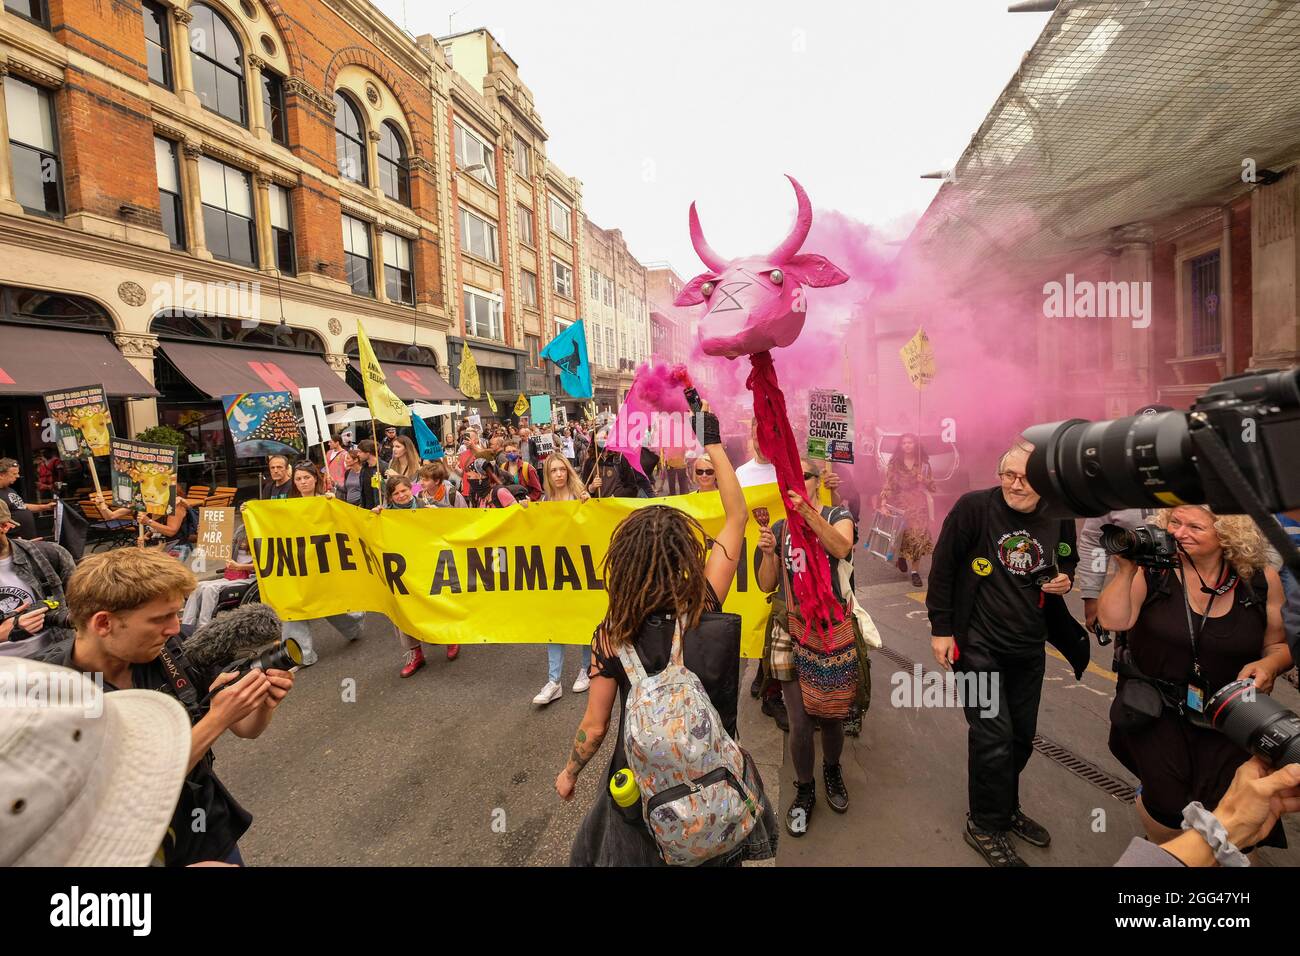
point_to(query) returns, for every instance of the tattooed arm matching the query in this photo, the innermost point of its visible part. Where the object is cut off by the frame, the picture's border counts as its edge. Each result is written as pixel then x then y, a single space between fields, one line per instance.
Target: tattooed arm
pixel 591 733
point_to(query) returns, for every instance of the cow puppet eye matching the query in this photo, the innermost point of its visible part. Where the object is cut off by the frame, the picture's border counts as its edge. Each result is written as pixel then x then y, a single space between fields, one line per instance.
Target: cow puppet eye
pixel 707 289
pixel 777 276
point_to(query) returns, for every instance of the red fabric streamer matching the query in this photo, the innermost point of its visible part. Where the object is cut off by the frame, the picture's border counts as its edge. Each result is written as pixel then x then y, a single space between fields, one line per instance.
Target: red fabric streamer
pixel 812 586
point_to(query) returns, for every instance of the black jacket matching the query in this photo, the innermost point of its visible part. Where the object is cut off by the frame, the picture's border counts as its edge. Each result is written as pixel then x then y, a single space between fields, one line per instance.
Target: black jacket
pixel 950 597
pixel 618 479
pixel 45 568
pixel 370 495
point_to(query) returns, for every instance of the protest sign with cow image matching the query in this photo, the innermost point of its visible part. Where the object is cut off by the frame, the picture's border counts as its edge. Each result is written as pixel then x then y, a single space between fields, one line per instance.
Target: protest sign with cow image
pixel 144 476
pixel 83 424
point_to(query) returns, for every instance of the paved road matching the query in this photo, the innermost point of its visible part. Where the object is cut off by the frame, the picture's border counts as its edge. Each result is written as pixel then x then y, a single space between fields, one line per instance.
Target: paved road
pixel 455 766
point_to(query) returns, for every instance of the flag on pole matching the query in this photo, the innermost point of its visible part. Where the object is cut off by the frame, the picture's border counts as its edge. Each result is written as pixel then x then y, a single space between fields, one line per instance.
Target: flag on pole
pixel 568 351
pixel 918 359
pixel 469 374
pixel 521 406
pixel 430 448
pixel 491 402
pixel 384 405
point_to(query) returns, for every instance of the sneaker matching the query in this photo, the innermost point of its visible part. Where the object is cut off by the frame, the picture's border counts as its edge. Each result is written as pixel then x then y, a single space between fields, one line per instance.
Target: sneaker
pixel 774 707
pixel 414 661
pixel 582 683
pixel 837 795
pixel 800 813
pixel 453 651
pixel 552 691
pixel 916 580
pixel 993 845
pixel 1032 833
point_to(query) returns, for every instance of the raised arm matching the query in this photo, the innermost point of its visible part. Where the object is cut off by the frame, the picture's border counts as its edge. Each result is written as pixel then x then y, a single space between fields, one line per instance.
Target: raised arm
pixel 729 546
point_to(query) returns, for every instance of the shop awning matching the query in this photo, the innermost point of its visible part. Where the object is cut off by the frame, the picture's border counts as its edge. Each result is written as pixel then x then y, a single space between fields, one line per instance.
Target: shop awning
pixel 220 370
pixel 35 360
pixel 416 383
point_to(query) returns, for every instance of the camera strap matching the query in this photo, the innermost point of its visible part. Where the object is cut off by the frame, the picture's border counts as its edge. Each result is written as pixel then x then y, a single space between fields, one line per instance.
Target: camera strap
pixel 177 672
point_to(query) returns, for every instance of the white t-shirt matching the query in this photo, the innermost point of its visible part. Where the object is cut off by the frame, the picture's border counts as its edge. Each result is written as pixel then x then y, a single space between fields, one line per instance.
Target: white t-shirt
pixel 752 473
pixel 13 591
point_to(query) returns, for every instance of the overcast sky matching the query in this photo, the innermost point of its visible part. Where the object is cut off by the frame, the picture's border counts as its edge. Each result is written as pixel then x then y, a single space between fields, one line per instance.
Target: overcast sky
pixel 655 104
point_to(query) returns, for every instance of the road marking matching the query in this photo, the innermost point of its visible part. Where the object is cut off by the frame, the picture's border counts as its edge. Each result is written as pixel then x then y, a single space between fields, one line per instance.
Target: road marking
pixel 917 596
pixel 1092 668
pixel 914 615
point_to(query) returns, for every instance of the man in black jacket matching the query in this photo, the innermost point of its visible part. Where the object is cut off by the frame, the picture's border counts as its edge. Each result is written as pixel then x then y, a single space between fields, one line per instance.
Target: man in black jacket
pixel 372 473
pixel 999 572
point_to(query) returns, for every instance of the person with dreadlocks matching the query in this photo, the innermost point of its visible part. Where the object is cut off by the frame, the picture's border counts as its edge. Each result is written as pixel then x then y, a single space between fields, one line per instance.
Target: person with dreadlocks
pixel 657 574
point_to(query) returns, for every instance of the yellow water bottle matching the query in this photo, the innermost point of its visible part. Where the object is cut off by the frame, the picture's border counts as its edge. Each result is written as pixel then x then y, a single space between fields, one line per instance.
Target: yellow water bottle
pixel 626 794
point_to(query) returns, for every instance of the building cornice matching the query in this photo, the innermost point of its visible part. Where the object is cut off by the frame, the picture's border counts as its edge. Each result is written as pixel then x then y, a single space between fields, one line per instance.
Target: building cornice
pixel 398 48
pixel 39 235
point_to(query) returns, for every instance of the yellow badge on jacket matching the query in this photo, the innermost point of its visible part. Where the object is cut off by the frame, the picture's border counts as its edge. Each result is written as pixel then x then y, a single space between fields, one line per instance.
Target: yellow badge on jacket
pixel 982 566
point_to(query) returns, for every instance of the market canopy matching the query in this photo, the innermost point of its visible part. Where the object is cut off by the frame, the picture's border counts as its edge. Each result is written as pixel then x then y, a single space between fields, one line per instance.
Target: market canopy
pixel 35 360
pixel 218 370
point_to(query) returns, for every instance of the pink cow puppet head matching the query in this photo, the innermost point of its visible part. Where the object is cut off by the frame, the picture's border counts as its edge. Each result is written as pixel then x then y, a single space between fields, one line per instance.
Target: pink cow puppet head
pixel 757 303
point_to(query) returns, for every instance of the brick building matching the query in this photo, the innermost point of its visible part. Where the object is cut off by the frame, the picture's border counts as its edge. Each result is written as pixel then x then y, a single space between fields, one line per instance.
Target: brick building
pixel 618 320
pixel 204 198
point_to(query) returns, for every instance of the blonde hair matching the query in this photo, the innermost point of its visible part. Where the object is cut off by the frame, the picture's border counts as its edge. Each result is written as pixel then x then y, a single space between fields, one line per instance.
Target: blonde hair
pixel 575 483
pixel 410 466
pixel 123 580
pixel 1239 537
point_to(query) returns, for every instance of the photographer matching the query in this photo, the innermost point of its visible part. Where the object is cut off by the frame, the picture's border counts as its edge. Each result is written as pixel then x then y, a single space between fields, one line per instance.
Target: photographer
pixel 1184 643
pixel 1001 568
pixel 124 608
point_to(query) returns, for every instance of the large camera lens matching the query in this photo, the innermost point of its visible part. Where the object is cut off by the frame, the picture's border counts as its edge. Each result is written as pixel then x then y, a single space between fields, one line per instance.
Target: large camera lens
pixel 280 656
pixel 1255 722
pixel 1090 468
pixel 1117 540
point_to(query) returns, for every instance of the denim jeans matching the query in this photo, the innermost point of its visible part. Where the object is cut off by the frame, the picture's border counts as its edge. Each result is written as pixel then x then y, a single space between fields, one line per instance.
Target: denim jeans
pixel 555 660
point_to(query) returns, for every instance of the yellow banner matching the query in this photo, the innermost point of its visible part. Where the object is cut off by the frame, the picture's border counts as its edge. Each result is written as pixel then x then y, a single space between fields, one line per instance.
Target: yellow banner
pixel 384 405
pixel 918 358
pixel 469 374
pixel 467 576
pixel 491 403
pixel 521 406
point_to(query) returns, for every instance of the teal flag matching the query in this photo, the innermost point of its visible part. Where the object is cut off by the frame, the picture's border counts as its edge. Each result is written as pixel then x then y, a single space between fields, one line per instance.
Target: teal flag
pixel 426 440
pixel 568 351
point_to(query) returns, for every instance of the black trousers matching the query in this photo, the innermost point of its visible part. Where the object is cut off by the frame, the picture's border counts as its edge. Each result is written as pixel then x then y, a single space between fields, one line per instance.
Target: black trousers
pixel 1001 736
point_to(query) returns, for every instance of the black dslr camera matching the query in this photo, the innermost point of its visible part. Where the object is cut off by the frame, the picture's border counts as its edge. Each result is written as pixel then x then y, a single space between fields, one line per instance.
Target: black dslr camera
pixel 1246 429
pixel 1146 546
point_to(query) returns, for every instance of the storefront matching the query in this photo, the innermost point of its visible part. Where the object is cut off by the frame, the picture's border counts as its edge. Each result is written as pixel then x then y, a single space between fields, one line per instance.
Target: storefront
pixel 50 341
pixel 500 372
pixel 201 358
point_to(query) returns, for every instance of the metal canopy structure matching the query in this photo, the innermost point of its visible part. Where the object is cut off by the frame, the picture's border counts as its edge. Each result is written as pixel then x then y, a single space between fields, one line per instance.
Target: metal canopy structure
pixel 1124 112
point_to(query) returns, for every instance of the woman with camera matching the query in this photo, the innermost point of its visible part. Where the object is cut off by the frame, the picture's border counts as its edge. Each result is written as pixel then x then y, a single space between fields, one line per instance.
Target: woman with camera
pixel 1184 641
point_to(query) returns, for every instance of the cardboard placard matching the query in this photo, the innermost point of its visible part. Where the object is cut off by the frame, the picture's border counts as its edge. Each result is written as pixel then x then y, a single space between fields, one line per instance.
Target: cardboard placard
pixel 313 416
pixel 545 445
pixel 217 534
pixel 830 426
pixel 143 476
pixel 82 422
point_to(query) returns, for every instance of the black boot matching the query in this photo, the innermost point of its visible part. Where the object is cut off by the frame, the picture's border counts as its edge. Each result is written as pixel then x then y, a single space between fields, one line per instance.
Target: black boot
pixel 774 707
pixel 837 795
pixel 756 688
pixel 800 813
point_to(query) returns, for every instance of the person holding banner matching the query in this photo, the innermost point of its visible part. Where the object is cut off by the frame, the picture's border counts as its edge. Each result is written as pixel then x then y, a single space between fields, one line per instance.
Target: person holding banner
pixel 562 484
pixel 307 483
pixel 437 488
pixel 705 475
pixel 656 571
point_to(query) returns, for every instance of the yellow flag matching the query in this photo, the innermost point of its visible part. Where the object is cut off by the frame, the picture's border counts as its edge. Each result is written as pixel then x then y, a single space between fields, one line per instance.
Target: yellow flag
pixel 384 405
pixel 521 406
pixel 469 374
pixel 491 403
pixel 918 359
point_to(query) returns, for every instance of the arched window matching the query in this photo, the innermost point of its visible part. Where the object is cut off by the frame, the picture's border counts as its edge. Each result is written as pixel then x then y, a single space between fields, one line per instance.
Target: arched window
pixel 393 176
pixel 218 64
pixel 350 140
